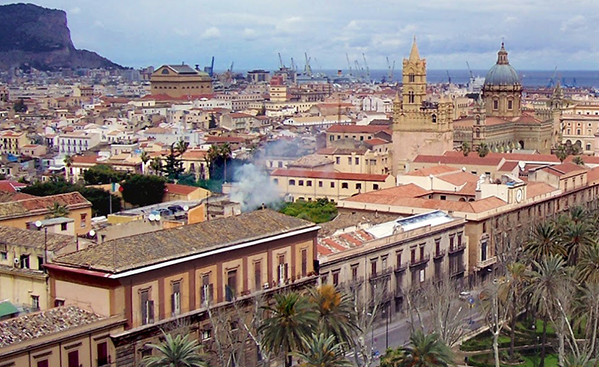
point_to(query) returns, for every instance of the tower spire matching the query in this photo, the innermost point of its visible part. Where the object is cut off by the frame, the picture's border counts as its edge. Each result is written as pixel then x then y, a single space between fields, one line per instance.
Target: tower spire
pixel 502 55
pixel 414 54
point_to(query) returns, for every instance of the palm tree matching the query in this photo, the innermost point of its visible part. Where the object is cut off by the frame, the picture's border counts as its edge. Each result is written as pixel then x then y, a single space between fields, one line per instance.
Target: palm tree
pixel 179 351
pixel 576 239
pixel 465 148
pixel 334 310
pixel 292 319
pixel 156 165
pixel 543 241
pixel 68 162
pixel 587 269
pixel 561 152
pixel 322 351
pixel 482 149
pixel 225 153
pixel 181 147
pixel 393 357
pixel 426 350
pixel 145 157
pixel 580 361
pixel 548 281
pixel 578 161
pixel 57 211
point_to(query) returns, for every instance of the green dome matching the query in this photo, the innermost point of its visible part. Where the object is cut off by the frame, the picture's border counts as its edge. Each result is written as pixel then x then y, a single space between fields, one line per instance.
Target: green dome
pixel 502 73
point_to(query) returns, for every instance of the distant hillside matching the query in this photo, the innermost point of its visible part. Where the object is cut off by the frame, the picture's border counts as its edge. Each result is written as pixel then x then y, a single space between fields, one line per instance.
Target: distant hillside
pixel 38 37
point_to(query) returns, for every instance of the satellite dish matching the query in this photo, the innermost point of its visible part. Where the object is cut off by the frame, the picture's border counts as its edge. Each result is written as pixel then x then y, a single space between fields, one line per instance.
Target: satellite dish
pixel 38 223
pixel 92 233
pixel 151 217
pixel 186 208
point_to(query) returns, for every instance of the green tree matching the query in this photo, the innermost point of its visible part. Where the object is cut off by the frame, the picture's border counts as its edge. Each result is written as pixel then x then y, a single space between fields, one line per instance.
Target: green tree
pixel 426 350
pixel 517 278
pixel 317 211
pixel 173 165
pixel 483 150
pixel 561 152
pixel 322 351
pixel 100 200
pixel 393 357
pixel 102 174
pixel 587 269
pixel 57 211
pixel 576 238
pixel 578 161
pixel 156 165
pixel 19 106
pixel 465 148
pixel 179 351
pixel 292 319
pixel 142 190
pixel 335 314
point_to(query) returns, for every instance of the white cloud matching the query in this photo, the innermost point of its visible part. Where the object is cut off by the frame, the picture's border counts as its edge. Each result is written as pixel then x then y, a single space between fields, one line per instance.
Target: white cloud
pixel 577 23
pixel 211 33
pixel 75 10
pixel 250 34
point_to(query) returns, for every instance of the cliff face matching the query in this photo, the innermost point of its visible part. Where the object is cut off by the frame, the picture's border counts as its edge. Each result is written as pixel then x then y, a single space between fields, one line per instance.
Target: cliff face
pixel 39 37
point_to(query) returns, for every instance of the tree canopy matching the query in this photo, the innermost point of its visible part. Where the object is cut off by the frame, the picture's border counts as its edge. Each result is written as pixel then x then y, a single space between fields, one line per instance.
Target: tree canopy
pixel 142 190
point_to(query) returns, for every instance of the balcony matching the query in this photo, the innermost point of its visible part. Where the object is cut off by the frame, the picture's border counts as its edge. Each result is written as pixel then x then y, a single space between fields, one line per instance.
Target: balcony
pixel 488 262
pixel 459 248
pixel 401 267
pixel 455 272
pixel 380 274
pixel 417 262
pixel 439 255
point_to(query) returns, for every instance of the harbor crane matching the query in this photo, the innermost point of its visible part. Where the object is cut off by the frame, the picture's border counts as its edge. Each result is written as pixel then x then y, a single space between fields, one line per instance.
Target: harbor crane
pixel 293 66
pixel 448 77
pixel 552 80
pixel 281 65
pixel 391 69
pixel 367 69
pixel 307 68
pixel 348 64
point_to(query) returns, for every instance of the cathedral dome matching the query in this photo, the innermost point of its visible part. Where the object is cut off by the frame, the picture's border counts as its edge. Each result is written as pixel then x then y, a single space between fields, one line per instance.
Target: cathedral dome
pixel 502 73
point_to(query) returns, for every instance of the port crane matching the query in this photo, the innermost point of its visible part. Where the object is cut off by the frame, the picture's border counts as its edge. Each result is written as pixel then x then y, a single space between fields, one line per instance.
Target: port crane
pixel 367 69
pixel 307 68
pixel 552 80
pixel 348 64
pixel 281 65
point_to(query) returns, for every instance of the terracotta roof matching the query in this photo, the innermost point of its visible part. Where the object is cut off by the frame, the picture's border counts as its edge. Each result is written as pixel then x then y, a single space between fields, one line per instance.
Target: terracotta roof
pixel 6 196
pixel 11 186
pixel 593 175
pixel 363 129
pixel 156 247
pixel 564 169
pixel 511 156
pixel 328 175
pixel 85 159
pixel 508 167
pixel 459 178
pixel 323 250
pixel 434 170
pixel 406 191
pixel 224 139
pixel 376 141
pixel 194 154
pixel 180 189
pixel 472 159
pixel 48 322
pixel 538 188
pixel 34 238
pixel 41 205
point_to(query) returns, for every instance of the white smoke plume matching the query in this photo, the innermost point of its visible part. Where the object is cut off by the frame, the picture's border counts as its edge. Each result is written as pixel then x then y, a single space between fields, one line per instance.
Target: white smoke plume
pixel 252 187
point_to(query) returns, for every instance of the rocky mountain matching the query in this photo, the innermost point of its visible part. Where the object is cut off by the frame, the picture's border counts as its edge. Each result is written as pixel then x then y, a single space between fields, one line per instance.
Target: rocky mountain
pixel 38 37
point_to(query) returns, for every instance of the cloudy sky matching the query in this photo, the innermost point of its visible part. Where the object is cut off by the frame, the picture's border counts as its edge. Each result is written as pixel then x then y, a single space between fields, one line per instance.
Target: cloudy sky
pixel 539 34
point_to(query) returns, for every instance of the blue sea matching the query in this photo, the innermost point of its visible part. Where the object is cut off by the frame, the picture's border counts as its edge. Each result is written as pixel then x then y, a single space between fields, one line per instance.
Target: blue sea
pixel 530 78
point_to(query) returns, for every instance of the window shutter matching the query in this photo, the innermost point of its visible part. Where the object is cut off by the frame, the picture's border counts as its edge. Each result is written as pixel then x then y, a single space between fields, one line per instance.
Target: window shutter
pixel 286 272
pixel 173 309
pixel 144 313
pixel 150 312
pixel 211 292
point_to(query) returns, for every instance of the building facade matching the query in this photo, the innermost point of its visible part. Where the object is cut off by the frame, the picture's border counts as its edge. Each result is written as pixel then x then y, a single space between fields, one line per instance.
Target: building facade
pixel 178 81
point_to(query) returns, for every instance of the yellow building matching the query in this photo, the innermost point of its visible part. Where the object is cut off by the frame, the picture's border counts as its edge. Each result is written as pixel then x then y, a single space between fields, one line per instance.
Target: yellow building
pixel 19 213
pixel 303 184
pixel 178 81
pixel 60 337
pixel 12 142
pixel 419 126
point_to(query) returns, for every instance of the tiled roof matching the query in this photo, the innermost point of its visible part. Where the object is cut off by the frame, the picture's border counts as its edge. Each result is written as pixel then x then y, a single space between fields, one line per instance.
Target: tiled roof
pixel 359 129
pixel 150 248
pixel 85 159
pixel 593 175
pixel 10 186
pixel 6 196
pixel 538 188
pixel 35 325
pixel 564 169
pixel 472 158
pixel 224 139
pixel 434 170
pixel 180 189
pixel 41 205
pixel 34 238
pixel 328 175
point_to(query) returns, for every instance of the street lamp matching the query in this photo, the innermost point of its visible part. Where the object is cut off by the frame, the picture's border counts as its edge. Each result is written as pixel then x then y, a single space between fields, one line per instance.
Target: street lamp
pixel 39 225
pixel 386 313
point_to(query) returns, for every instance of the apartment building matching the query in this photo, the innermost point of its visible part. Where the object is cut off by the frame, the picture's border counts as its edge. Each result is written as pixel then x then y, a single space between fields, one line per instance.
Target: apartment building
pixel 156 278
pixel 11 142
pixel 77 142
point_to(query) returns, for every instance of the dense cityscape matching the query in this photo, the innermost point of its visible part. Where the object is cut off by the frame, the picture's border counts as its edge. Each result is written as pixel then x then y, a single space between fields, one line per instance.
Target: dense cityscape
pixel 184 215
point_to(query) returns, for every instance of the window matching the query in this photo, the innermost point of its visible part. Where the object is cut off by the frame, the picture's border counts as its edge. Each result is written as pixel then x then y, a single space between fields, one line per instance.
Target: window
pixel 344 185
pixel 43 363
pixel 280 164
pixel 413 255
pixel 40 263
pixel 275 181
pixel 336 278
pixel 358 186
pixel 510 104
pixel 102 351
pixel 309 183
pixel 373 267
pixel 349 160
pixel 206 334
pixel 147 308
pixel 63 226
pixel 443 197
pixel 337 160
pixel 176 298
pixel 58 302
pixel 375 186
pixel 24 261
pixel 73 358
pixel 207 290
pixel 357 160
pixel 83 220
pixel 588 147
pixel 411 97
pixel 3 255
pixel 231 287
pixel 421 274
pixel 411 77
pixel 257 275
pixel 483 251
pixel 332 185
pixel 300 183
pixel 354 272
pixel 291 182
pixel 304 262
pixel 35 302
pixel 495 104
pixel 319 183
pixel 282 270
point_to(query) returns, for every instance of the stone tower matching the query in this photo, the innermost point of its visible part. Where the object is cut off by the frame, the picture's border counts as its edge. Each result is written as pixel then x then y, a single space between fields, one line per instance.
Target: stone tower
pixel 419 126
pixel 502 91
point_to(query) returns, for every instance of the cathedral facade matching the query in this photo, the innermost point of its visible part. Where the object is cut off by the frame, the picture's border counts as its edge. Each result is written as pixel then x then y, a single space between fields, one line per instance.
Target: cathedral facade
pixel 419 126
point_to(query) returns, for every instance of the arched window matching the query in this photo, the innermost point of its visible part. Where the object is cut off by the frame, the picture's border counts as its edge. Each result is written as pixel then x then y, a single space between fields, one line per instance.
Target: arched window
pixel 478 133
pixel 495 104
pixel 411 96
pixel 478 119
pixel 510 104
pixel 164 71
pixel 434 118
pixel 411 78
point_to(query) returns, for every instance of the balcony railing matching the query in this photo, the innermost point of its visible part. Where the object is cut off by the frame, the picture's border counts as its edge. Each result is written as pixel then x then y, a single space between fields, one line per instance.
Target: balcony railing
pixel 453 272
pixel 421 261
pixel 458 248
pixel 401 267
pixel 380 274
pixel 439 255
pixel 484 263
